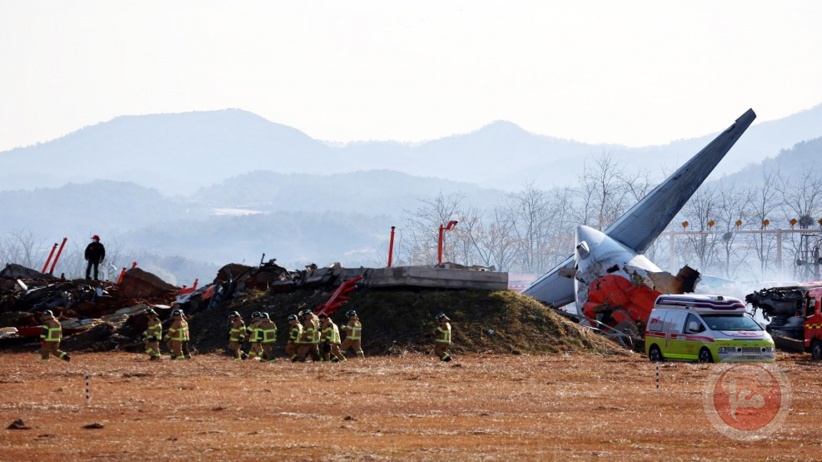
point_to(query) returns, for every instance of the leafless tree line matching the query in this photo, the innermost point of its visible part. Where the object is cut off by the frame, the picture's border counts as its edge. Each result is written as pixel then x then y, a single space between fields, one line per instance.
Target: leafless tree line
pixel 533 229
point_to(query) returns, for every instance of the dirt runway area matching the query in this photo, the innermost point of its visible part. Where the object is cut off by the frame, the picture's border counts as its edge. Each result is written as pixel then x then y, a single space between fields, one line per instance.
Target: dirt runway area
pixel 403 408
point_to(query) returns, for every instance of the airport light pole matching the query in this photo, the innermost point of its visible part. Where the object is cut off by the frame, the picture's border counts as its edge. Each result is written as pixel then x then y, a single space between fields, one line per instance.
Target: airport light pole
pixel 443 229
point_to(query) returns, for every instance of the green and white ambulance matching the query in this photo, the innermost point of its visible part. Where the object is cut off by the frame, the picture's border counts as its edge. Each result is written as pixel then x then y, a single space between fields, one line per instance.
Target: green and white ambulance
pixel 705 328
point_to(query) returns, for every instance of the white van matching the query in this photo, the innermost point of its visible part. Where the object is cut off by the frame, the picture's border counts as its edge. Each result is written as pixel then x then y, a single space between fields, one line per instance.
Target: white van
pixel 705 328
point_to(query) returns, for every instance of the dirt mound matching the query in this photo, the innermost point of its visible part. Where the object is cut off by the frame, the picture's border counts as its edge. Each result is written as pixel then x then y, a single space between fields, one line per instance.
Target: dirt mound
pixel 399 321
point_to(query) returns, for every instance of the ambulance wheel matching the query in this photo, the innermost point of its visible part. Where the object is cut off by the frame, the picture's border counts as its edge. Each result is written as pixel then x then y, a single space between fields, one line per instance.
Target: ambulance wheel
pixel 655 355
pixel 816 350
pixel 705 356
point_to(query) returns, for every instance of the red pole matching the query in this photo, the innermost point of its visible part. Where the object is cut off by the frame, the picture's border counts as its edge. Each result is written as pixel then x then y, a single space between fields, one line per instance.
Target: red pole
pixel 390 248
pixel 48 260
pixel 443 228
pixel 196 281
pixel 57 257
pixel 133 264
pixel 439 248
pixel 120 277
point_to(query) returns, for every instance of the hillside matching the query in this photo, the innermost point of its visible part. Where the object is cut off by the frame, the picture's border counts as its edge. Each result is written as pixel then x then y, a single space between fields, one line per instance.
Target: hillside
pixel 179 153
pixel 794 162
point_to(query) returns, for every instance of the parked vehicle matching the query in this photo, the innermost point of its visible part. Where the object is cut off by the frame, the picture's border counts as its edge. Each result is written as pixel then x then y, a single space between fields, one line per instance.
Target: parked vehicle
pixel 705 328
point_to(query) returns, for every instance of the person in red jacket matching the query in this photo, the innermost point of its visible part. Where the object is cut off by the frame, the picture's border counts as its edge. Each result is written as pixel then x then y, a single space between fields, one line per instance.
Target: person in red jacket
pixel 95 253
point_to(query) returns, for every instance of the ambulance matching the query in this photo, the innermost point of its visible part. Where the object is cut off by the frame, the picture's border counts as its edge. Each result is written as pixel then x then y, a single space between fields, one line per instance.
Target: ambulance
pixel 705 328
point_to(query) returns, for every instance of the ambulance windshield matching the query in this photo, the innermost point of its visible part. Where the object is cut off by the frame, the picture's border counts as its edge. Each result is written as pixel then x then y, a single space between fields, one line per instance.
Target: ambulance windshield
pixel 730 322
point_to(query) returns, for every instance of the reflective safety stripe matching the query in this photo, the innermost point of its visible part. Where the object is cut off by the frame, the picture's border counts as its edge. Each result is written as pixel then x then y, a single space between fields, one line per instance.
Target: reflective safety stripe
pixel 269 335
pixel 154 330
pixel 256 334
pixel 444 335
pixel 175 333
pixel 355 331
pixel 294 334
pixel 51 334
pixel 312 335
pixel 179 334
pixel 237 332
pixel 332 334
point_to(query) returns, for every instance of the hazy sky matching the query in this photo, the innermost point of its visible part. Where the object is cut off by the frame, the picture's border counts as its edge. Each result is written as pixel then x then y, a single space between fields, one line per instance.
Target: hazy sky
pixel 631 72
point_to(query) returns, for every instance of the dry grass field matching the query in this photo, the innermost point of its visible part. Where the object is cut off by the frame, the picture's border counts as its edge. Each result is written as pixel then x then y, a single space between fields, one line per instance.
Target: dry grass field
pixel 478 407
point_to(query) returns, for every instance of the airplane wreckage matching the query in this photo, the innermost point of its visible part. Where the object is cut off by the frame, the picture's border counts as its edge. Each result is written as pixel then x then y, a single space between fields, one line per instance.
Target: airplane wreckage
pixel 611 283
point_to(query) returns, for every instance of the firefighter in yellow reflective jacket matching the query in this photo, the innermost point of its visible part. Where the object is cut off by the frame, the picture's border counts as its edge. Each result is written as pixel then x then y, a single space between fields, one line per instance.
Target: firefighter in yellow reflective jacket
pixel 269 336
pixel 255 336
pixel 310 340
pixel 177 335
pixel 330 340
pixel 295 332
pixel 442 337
pixel 153 334
pixel 236 335
pixel 50 336
pixel 353 334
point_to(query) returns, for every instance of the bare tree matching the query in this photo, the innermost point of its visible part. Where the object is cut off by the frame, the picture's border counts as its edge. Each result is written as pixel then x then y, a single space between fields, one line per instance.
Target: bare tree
pixel 532 214
pixel 419 245
pixel 493 238
pixel 24 248
pixel 731 204
pixel 698 212
pixel 802 200
pixel 606 191
pixel 763 201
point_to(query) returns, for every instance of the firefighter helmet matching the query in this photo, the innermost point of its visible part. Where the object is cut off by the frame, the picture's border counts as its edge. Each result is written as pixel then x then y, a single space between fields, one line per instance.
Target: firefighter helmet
pixel 233 314
pixel 151 312
pixel 292 317
pixel 177 312
pixel 306 312
pixel 48 313
pixel 263 314
pixel 351 313
pixel 442 317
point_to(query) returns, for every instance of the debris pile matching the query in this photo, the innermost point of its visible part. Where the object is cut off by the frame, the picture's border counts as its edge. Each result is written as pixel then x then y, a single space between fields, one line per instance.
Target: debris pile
pixel 104 316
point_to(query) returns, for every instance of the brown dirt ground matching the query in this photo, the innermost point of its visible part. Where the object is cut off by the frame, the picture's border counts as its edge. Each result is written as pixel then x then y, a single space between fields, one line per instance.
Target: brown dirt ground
pixel 479 407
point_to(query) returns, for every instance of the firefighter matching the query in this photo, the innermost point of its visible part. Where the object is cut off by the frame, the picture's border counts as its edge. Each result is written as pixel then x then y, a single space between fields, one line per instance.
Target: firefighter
pixel 295 332
pixel 330 340
pixel 255 336
pixel 153 334
pixel 177 335
pixel 50 336
pixel 236 335
pixel 353 334
pixel 310 340
pixel 268 330
pixel 442 337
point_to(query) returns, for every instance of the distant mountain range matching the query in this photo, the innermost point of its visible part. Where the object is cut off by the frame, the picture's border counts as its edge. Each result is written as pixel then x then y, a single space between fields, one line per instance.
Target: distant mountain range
pixel 177 154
